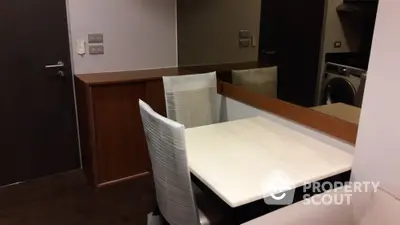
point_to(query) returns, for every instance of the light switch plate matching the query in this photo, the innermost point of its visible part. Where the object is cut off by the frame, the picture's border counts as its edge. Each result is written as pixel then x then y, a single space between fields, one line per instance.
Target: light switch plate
pixel 243 34
pixel 95 38
pixel 244 43
pixel 96 49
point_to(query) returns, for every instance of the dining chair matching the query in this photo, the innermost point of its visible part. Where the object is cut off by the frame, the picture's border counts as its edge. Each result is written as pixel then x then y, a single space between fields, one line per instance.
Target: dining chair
pixel 177 197
pixel 262 80
pixel 364 208
pixel 192 100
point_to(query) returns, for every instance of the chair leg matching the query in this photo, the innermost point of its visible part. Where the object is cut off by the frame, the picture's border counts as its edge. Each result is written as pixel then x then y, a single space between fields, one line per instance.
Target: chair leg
pixel 157 212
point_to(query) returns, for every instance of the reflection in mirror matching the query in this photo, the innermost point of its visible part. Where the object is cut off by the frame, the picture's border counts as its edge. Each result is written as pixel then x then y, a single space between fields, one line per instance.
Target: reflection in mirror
pixel 314 54
pixel 262 81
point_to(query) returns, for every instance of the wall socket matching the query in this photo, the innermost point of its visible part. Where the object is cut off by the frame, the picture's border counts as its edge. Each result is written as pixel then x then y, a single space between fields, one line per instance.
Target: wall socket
pixel 96 49
pixel 95 38
pixel 244 43
pixel 337 44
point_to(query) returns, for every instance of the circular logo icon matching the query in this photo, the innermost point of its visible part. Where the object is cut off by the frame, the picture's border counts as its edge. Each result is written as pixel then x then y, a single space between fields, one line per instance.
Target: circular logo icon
pixel 278 189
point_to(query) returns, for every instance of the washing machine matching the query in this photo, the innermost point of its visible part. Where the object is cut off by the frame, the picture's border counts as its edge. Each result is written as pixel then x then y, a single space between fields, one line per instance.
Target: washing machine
pixel 341 84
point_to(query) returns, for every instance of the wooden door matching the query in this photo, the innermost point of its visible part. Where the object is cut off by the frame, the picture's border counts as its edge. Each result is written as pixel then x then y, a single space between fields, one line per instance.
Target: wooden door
pixel 37 114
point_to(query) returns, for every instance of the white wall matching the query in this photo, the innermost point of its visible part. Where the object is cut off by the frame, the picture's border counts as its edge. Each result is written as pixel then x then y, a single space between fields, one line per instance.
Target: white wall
pixel 333 29
pixel 208 30
pixel 378 143
pixel 138 34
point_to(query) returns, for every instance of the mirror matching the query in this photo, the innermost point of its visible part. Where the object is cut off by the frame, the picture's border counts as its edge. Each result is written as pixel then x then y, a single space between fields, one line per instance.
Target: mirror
pixel 312 54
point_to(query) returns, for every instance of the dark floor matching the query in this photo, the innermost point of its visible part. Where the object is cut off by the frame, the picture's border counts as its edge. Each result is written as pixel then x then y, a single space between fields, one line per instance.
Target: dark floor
pixel 66 199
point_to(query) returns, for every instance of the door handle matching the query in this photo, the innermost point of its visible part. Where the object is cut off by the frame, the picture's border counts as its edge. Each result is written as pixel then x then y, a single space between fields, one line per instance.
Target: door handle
pixel 60 64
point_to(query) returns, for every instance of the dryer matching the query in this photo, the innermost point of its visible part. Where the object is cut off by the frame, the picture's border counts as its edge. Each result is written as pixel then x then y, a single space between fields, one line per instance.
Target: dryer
pixel 341 84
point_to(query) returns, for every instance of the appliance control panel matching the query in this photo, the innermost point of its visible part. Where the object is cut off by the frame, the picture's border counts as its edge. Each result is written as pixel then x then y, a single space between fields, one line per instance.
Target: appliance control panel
pixel 338 69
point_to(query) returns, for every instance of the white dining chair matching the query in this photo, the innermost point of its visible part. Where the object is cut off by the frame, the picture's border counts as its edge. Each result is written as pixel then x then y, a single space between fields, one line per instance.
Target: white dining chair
pixel 176 195
pixel 363 209
pixel 262 80
pixel 192 100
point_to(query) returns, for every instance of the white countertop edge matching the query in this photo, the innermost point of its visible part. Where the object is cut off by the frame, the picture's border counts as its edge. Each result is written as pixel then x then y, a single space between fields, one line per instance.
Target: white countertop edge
pixel 238 204
pixel 214 190
pixel 260 197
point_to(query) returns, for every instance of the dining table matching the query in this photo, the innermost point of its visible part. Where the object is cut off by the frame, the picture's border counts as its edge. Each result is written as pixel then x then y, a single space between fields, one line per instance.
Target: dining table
pixel 244 163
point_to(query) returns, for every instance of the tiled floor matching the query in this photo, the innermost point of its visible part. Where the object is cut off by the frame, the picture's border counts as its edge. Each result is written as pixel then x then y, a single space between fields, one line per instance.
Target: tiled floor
pixel 66 199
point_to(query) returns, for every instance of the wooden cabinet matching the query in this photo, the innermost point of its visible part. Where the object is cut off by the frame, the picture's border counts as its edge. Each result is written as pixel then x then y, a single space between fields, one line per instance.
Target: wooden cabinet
pixel 112 139
pixel 120 143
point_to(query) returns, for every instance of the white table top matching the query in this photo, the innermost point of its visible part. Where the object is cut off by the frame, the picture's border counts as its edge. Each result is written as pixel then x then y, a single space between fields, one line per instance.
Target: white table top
pixel 235 159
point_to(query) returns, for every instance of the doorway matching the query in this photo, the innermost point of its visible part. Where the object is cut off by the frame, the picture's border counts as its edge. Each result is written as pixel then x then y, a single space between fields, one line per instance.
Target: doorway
pixel 37 111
